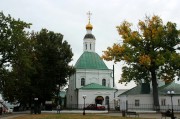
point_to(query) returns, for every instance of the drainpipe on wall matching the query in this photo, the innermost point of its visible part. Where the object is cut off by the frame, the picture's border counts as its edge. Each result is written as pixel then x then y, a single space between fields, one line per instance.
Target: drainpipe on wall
pixel 115 93
pixel 77 97
pixel 113 75
pixel 115 98
pixel 75 79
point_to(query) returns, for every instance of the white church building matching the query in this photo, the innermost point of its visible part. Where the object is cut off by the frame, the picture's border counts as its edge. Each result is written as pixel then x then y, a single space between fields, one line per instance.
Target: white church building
pixel 92 79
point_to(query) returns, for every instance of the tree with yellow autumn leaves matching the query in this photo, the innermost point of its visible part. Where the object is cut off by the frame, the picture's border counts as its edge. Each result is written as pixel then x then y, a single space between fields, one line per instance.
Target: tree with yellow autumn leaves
pixel 152 52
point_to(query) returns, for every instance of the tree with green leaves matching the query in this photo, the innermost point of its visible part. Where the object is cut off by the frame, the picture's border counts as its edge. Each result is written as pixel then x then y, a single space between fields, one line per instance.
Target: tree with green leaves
pixel 150 53
pixel 52 58
pixel 31 65
pixel 12 32
pixel 14 57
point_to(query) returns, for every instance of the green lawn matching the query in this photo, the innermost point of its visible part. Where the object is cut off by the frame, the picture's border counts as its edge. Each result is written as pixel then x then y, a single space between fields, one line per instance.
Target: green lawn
pixel 71 116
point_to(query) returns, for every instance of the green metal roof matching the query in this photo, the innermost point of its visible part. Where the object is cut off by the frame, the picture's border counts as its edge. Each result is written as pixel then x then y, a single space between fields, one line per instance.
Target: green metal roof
pixel 133 91
pixel 138 90
pixel 90 60
pixel 169 87
pixel 95 86
pixel 162 90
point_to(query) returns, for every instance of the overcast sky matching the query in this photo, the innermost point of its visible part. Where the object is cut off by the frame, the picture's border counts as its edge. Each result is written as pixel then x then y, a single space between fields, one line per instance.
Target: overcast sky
pixel 69 18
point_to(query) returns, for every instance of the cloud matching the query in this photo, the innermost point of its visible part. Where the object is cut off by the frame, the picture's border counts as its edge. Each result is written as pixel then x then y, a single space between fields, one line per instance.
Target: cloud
pixel 69 18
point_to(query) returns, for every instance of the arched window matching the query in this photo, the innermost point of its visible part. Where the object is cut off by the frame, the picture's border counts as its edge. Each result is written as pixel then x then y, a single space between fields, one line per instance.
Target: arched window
pixel 107 100
pixel 82 82
pixel 104 82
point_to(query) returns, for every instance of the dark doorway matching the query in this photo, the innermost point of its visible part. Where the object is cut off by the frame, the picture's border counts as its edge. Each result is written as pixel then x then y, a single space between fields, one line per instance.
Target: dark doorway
pixel 99 100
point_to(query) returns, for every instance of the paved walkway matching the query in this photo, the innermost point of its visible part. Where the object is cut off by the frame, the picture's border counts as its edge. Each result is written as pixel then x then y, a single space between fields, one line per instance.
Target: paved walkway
pixel 10 116
pixel 141 115
pixel 145 115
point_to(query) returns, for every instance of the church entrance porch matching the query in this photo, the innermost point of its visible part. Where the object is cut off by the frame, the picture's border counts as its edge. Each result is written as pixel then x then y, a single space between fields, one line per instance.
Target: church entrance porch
pixel 99 100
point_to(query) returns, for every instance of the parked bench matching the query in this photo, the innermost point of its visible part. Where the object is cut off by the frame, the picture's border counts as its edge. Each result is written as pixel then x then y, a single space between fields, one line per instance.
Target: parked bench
pixel 165 114
pixel 132 113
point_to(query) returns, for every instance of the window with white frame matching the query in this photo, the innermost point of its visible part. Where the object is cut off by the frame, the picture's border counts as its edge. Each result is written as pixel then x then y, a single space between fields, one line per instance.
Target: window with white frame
pixel 163 102
pixel 136 102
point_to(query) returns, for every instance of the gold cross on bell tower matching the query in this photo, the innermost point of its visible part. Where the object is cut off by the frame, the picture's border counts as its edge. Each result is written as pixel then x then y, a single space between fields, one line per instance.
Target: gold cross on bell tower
pixel 89 16
pixel 89 26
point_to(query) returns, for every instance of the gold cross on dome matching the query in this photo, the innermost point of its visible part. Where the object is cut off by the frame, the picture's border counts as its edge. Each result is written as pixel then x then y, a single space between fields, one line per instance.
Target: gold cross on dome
pixel 89 16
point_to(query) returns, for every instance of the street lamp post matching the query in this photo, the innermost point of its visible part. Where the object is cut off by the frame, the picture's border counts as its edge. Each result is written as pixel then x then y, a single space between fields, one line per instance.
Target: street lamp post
pixel 84 97
pixel 171 93
pixel 36 110
pixel 58 90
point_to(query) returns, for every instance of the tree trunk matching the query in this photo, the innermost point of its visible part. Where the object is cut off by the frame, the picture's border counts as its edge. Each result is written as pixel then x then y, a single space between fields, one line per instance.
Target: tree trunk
pixel 155 90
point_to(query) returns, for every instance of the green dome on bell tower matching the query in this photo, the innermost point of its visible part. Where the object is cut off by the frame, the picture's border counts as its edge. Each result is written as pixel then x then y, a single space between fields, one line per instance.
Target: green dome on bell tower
pixel 90 60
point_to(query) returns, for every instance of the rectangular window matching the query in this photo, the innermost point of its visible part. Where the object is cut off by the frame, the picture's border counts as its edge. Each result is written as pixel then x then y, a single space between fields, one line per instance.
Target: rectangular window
pixel 163 102
pixel 104 82
pixel 178 101
pixel 136 102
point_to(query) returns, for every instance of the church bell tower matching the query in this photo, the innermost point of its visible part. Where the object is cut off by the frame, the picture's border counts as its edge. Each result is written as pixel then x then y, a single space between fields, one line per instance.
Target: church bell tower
pixel 89 39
